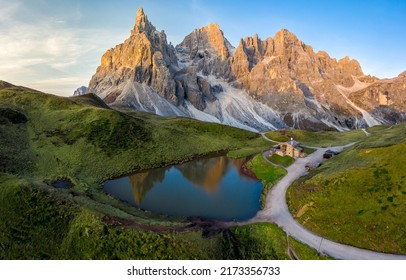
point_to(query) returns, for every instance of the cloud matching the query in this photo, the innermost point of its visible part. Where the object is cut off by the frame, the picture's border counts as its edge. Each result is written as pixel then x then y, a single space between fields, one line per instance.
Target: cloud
pixel 48 50
pixel 7 9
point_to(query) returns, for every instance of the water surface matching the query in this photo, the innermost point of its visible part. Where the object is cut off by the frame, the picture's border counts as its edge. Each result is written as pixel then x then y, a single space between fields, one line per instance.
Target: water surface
pixel 62 184
pixel 213 188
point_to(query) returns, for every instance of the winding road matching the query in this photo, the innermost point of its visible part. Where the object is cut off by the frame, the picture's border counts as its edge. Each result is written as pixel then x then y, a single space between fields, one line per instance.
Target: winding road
pixel 276 211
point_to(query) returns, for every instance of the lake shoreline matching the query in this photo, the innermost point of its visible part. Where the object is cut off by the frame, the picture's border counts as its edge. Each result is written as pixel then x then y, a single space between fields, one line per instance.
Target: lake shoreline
pixel 212 187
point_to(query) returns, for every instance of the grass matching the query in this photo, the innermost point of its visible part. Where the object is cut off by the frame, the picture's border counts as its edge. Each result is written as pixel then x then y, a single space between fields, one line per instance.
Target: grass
pixel 308 150
pixel 257 146
pixel 304 252
pixel 44 137
pixel 358 197
pixel 38 226
pixel 377 128
pixel 317 139
pixel 284 161
pixel 265 241
pixel 264 171
pixel 267 173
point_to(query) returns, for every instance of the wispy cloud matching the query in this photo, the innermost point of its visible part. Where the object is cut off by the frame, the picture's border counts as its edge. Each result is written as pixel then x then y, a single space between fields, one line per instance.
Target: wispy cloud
pixel 7 9
pixel 48 51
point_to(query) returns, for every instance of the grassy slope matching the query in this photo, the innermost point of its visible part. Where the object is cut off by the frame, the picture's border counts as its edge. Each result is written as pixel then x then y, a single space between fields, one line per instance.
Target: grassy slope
pixel 82 140
pixel 63 132
pixel 38 226
pixel 266 172
pixel 359 197
pixel 317 139
pixel 284 161
pixel 267 241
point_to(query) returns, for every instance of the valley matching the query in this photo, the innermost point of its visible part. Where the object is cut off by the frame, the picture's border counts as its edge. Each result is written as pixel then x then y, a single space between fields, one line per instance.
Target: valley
pixel 267 150
pixel 45 138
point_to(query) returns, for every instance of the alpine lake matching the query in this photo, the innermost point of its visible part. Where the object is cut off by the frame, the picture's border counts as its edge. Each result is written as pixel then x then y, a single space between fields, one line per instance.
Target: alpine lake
pixel 211 188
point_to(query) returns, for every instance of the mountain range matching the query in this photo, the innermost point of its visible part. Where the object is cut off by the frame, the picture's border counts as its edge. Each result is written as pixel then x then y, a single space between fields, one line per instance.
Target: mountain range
pixel 275 83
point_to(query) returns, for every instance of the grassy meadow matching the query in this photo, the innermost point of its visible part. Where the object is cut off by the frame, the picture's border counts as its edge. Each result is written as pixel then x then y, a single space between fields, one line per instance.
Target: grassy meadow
pixel 284 161
pixel 358 197
pixel 265 241
pixel 267 173
pixel 45 138
pixel 317 139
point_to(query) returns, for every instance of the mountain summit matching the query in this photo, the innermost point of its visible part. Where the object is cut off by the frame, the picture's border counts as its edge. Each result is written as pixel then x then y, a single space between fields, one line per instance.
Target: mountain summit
pixel 274 83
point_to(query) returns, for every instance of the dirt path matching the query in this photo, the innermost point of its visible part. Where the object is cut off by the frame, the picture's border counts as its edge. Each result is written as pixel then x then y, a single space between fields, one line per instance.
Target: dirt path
pixel 265 156
pixel 276 211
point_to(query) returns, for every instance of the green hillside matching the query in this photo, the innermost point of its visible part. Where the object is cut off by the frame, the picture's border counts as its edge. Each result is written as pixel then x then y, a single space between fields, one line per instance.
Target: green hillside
pixel 44 138
pixel 358 197
pixel 317 139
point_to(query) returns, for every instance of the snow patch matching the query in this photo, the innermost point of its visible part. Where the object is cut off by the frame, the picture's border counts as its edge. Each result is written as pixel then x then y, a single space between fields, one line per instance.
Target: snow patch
pixel 144 99
pixel 369 119
pixel 200 115
pixel 236 108
pixel 331 124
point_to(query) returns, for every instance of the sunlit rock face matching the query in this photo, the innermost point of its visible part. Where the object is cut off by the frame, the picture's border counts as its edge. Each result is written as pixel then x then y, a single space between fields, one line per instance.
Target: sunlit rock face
pixel 261 84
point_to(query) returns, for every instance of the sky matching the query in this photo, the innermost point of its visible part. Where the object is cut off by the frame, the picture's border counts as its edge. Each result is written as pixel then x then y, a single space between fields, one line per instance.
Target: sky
pixel 56 45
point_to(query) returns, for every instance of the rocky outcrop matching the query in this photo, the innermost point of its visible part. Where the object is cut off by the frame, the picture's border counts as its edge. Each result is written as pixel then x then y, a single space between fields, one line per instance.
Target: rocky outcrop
pixel 385 98
pixel 80 91
pixel 261 84
pixel 285 64
pixel 4 85
pixel 208 50
pixel 145 57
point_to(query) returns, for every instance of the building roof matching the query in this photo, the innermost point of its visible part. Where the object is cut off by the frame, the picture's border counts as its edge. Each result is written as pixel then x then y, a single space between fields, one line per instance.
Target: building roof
pixel 293 143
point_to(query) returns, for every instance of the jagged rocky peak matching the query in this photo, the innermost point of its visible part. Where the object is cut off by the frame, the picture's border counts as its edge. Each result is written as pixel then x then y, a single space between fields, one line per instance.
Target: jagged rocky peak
pixel 249 52
pixel 143 28
pixel 145 57
pixel 351 66
pixel 141 23
pixel 262 84
pixel 80 91
pixel 402 75
pixel 207 39
pixel 208 50
pixel 286 38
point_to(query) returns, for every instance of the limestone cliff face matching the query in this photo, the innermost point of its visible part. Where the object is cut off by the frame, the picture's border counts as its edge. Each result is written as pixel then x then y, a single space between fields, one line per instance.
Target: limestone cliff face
pixel 261 84
pixel 207 50
pixel 290 77
pixel 145 57
pixel 386 98
pixel 284 64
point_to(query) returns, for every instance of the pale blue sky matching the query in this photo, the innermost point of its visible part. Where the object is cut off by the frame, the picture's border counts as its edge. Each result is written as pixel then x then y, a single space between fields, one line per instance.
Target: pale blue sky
pixel 56 45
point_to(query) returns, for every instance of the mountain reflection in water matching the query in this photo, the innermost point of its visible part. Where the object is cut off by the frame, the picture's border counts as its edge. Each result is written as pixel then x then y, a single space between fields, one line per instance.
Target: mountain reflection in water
pixel 208 187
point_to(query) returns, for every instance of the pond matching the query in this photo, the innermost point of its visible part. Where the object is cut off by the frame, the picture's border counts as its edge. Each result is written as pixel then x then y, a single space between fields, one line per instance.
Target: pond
pixel 212 188
pixel 62 184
